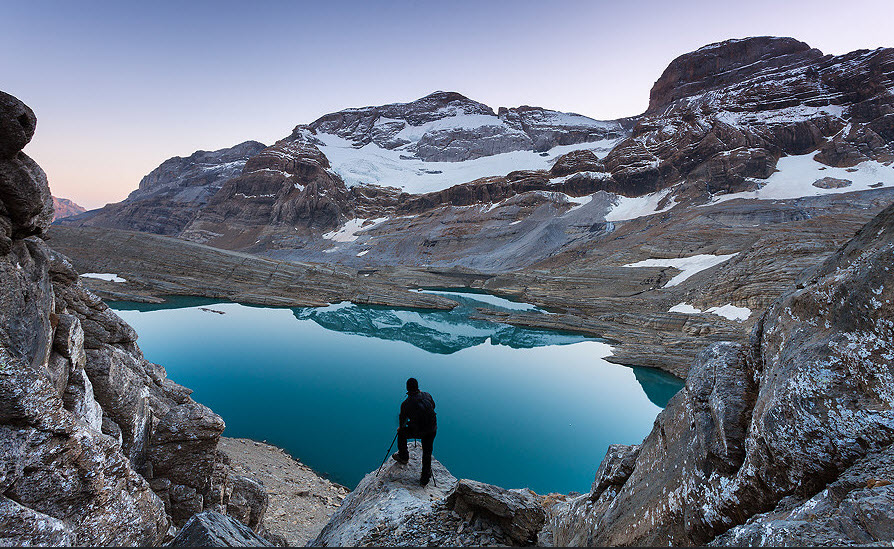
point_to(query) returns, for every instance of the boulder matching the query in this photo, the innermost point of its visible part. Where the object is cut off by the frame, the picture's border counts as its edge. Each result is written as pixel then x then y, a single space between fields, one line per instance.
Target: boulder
pixel 858 508
pixel 17 125
pixel 25 195
pixel 248 502
pixel 517 512
pixel 615 469
pixel 211 529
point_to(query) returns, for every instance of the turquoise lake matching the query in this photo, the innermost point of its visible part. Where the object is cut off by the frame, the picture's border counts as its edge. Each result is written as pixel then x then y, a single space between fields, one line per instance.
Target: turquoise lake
pixel 516 407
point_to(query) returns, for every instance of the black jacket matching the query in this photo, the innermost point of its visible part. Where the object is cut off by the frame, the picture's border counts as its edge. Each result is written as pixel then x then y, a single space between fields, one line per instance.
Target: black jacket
pixel 418 413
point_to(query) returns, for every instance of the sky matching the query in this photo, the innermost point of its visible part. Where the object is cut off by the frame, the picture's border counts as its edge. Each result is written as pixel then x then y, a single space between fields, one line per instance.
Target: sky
pixel 118 87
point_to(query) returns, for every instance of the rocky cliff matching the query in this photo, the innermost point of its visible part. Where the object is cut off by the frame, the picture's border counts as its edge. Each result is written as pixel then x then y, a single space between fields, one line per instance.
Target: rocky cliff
pixel 784 440
pixel 388 508
pixel 98 446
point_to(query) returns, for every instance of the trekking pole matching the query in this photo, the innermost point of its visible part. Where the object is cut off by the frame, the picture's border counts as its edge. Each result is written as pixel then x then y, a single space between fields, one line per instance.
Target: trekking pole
pixel 386 454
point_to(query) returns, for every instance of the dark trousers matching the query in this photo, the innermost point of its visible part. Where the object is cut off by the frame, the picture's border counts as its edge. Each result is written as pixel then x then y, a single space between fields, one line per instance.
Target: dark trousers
pixel 428 444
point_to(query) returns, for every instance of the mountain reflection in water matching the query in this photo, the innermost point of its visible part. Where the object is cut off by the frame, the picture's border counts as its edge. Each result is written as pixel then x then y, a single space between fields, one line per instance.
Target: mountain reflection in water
pixel 442 332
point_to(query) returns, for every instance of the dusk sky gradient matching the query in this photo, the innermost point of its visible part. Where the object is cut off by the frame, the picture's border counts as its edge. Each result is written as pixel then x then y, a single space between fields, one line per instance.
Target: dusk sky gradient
pixel 118 87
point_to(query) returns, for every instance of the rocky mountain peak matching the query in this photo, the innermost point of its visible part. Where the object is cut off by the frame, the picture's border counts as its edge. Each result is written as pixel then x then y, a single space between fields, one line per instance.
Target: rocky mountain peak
pixel 201 167
pixel 724 63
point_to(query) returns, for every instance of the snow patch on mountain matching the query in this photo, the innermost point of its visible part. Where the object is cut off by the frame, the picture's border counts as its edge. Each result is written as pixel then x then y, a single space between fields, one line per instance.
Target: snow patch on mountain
pixel 779 116
pixel 687 265
pixel 728 311
pixel 348 231
pixel 626 208
pixel 110 277
pixel 796 176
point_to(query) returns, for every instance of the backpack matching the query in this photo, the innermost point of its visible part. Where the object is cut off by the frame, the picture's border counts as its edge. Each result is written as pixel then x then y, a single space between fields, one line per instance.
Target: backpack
pixel 422 414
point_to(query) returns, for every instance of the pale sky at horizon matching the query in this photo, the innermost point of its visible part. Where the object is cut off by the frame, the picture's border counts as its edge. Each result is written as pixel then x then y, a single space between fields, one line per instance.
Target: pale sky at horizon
pixel 119 87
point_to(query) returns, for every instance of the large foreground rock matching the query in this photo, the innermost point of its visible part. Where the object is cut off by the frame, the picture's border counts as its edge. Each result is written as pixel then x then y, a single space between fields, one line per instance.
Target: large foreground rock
pixel 392 510
pixel 97 445
pixel 789 434
pixel 385 500
pixel 517 511
pixel 210 529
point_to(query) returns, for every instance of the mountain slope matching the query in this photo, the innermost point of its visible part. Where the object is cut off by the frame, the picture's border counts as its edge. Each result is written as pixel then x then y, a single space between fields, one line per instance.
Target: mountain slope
pixel 171 194
pixel 63 207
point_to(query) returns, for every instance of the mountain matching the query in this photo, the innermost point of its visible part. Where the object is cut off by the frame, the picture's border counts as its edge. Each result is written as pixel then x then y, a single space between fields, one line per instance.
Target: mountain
pixel 170 195
pixel 356 161
pixel 737 119
pixel 63 207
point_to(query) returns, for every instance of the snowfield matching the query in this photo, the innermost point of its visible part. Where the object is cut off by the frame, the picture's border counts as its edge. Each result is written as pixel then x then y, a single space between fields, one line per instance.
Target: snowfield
pixel 630 208
pixel 348 231
pixel 373 165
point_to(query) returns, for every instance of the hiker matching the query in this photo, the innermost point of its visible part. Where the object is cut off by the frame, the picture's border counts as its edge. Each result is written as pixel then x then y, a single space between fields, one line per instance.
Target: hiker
pixel 417 420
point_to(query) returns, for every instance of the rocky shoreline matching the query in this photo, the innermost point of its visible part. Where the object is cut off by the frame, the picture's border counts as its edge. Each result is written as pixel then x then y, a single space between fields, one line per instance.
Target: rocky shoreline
pixel 300 503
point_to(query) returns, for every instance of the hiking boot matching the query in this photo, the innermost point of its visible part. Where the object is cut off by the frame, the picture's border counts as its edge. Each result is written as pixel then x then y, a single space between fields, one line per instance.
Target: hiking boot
pixel 423 481
pixel 398 458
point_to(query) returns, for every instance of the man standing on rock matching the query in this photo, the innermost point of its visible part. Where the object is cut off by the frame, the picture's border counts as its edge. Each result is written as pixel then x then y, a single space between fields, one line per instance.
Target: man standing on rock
pixel 417 420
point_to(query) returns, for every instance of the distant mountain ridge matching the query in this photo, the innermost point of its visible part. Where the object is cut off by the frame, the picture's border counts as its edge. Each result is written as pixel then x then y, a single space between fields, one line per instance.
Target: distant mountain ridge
pixel 719 121
pixel 63 207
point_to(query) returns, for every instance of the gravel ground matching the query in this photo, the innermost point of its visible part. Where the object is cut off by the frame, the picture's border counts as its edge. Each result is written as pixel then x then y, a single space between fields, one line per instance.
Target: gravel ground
pixel 301 501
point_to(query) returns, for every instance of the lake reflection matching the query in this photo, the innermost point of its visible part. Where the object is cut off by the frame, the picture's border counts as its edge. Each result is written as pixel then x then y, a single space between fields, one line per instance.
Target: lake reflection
pixel 516 407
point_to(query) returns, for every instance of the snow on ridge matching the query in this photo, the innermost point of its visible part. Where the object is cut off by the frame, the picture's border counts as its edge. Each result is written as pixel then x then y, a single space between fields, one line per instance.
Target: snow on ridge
pixel 687 265
pixel 728 311
pixel 110 277
pixel 684 308
pixel 348 231
pixel 779 116
pixel 453 123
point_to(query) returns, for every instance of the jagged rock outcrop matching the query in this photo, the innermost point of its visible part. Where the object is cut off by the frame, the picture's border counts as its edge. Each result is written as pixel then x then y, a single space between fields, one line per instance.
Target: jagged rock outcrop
pixel 449 127
pixel 98 446
pixel 288 184
pixel 795 420
pixel 724 63
pixel 518 512
pixel 63 481
pixel 391 510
